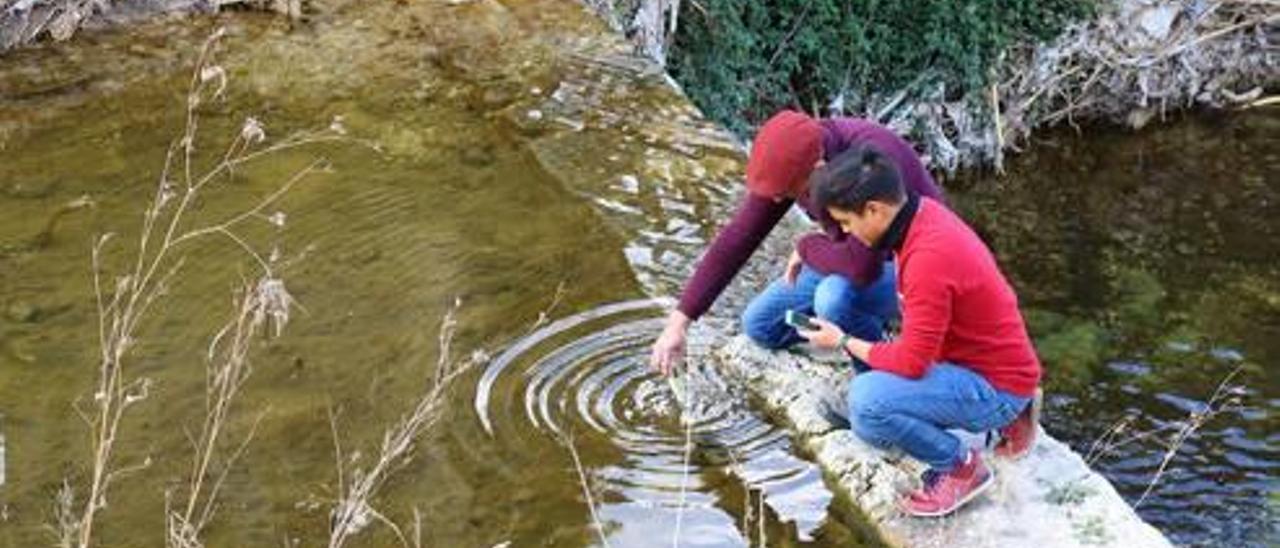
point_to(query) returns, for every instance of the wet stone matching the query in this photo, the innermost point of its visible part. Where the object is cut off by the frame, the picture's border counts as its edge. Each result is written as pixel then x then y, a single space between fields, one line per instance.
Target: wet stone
pixel 28 190
pixel 477 156
pixel 495 95
pixel 22 312
pixel 525 495
pixel 20 348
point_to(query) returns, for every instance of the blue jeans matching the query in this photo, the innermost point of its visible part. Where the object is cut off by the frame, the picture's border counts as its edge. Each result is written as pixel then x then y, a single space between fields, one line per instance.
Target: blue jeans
pixel 888 410
pixel 860 312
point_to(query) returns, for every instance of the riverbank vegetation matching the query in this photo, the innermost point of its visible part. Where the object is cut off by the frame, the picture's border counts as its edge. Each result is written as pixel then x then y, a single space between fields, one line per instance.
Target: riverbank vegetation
pixel 742 60
pixel 968 80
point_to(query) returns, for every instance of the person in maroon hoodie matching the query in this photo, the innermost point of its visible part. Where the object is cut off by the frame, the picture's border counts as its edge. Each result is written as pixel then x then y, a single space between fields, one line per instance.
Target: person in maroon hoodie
pixel 828 274
pixel 963 358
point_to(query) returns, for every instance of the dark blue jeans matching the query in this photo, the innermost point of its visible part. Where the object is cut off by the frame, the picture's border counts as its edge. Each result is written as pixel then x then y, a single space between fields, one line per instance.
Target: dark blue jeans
pixel 889 410
pixel 861 312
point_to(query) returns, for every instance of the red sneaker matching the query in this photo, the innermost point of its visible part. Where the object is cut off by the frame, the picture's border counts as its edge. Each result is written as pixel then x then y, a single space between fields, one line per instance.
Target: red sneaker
pixel 1017 437
pixel 944 493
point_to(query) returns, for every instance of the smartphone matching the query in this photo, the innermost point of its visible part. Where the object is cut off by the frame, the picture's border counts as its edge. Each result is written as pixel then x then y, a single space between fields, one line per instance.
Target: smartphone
pixel 800 321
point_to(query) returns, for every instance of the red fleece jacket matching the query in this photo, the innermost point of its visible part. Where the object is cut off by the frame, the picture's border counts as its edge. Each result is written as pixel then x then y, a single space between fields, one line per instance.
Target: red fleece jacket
pixel 956 307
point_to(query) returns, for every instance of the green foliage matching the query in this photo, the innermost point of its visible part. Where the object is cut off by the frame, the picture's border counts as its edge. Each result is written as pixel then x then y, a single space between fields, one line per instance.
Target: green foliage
pixel 1070 493
pixel 741 60
pixel 1092 531
pixel 1071 348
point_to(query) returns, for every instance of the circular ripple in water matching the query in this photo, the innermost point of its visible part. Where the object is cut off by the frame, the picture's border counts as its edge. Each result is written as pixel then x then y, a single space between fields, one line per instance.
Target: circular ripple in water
pixel 587 376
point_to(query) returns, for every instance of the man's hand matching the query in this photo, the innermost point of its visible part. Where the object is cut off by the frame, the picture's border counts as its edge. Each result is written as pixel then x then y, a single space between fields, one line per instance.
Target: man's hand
pixel 827 335
pixel 793 267
pixel 668 350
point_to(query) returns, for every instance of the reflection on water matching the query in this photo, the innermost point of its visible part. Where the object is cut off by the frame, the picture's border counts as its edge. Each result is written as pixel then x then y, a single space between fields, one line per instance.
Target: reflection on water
pixel 586 376
pixel 1146 264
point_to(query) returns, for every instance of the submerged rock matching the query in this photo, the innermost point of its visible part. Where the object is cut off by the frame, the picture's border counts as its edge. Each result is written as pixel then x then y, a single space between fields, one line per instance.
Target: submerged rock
pixel 1049 498
pixel 22 312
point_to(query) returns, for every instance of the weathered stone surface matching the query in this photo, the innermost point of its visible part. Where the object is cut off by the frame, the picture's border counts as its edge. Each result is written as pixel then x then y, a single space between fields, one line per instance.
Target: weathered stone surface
pixel 1049 498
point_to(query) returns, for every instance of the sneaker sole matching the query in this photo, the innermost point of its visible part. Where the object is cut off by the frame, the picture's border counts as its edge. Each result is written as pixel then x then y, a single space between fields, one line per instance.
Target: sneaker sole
pixel 991 479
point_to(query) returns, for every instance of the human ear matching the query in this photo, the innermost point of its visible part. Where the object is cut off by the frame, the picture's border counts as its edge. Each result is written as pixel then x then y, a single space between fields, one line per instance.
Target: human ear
pixel 873 209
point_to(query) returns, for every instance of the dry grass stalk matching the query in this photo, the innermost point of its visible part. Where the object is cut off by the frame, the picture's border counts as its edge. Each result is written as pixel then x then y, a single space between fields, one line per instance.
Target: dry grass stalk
pixel 1224 398
pixel 260 305
pixel 586 490
pixel 685 404
pixel 123 304
pixel 353 510
pixel 545 315
pixel 64 514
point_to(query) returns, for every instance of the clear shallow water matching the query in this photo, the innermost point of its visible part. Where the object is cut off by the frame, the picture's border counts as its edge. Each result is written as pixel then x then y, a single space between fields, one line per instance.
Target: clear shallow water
pixel 496 122
pixel 524 152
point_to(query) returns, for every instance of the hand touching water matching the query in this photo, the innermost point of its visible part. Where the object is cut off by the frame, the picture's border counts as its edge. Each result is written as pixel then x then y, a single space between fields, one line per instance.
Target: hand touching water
pixel 668 350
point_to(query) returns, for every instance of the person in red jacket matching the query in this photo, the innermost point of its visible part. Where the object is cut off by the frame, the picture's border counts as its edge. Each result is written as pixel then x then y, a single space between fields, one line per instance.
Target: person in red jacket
pixel 963 359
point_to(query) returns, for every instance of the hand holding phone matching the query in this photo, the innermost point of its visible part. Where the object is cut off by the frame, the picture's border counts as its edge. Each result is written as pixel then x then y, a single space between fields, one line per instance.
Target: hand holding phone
pixel 800 320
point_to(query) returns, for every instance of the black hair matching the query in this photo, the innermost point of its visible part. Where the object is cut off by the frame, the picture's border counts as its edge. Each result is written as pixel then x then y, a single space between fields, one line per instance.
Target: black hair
pixel 855 177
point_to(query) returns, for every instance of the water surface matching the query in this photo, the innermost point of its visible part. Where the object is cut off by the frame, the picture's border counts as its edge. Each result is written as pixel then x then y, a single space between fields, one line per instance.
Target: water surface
pixel 527 163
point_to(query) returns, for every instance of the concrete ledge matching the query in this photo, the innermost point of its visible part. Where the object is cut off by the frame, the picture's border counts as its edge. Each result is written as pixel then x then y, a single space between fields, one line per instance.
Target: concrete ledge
pixel 1049 498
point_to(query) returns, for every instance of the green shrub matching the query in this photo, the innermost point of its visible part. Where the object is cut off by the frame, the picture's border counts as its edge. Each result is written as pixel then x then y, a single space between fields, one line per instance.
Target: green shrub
pixel 741 60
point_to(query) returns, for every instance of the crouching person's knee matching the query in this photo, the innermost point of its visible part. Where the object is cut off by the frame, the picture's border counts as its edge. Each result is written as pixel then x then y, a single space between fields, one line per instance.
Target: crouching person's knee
pixel 834 298
pixel 868 410
pixel 763 330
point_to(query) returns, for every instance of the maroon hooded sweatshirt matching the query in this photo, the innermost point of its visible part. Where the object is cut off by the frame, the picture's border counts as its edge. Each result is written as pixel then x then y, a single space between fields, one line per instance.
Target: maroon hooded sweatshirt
pixel 829 252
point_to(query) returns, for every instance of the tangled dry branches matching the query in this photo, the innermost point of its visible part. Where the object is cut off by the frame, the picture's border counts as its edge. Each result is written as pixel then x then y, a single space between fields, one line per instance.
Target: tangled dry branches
pixel 26 21
pixel 1134 61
